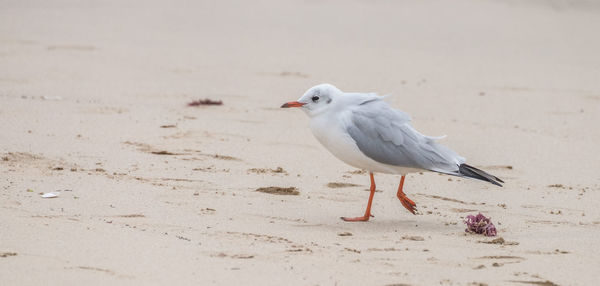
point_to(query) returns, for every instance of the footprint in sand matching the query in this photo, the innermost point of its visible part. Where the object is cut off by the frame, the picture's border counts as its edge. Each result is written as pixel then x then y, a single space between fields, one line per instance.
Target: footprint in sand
pixel 335 185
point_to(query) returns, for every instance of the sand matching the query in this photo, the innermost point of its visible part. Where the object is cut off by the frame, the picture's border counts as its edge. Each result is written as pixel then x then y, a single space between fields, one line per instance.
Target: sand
pixel 93 103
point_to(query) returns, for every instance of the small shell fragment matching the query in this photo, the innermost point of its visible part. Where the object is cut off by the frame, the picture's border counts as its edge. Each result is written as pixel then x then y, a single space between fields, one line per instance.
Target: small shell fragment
pixel 50 195
pixel 51 97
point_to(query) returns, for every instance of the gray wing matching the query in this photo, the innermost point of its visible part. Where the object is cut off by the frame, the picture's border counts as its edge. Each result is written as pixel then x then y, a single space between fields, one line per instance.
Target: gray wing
pixel 386 136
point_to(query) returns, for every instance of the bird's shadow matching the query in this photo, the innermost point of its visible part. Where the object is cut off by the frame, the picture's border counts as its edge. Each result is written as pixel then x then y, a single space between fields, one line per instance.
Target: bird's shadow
pixel 388 225
pixel 412 225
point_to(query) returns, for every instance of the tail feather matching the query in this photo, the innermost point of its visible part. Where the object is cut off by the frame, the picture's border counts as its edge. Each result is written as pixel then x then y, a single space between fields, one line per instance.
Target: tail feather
pixel 472 172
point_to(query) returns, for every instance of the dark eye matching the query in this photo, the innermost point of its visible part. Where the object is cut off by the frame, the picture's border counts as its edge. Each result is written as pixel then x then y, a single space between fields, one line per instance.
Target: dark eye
pixel 315 98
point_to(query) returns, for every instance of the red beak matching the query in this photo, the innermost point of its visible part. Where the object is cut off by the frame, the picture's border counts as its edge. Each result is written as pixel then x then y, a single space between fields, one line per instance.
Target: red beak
pixel 292 104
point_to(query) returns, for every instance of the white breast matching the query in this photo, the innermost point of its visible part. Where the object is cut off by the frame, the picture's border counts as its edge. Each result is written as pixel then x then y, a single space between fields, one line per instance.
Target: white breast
pixel 331 132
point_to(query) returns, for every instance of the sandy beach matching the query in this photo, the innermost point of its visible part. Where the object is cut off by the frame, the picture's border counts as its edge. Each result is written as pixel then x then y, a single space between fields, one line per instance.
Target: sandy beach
pixel 93 104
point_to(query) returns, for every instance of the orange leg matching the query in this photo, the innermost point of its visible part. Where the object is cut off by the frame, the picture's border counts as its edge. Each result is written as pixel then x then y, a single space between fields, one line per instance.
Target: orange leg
pixel 406 202
pixel 368 211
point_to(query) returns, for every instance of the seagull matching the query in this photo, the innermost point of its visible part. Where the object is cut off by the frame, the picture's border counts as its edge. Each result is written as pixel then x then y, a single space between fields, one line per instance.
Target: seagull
pixel 365 132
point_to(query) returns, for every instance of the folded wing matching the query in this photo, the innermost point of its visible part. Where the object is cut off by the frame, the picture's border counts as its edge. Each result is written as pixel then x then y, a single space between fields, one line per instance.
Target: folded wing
pixel 386 136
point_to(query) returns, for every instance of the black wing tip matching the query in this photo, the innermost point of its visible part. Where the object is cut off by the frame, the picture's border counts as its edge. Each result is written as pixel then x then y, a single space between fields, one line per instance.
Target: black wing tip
pixel 496 183
pixel 472 172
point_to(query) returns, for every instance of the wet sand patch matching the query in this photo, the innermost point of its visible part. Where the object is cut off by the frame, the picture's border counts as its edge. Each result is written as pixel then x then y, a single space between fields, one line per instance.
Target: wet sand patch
pixel 291 191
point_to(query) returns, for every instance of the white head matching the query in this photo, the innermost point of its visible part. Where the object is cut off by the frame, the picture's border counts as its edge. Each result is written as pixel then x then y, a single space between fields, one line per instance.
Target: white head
pixel 316 99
